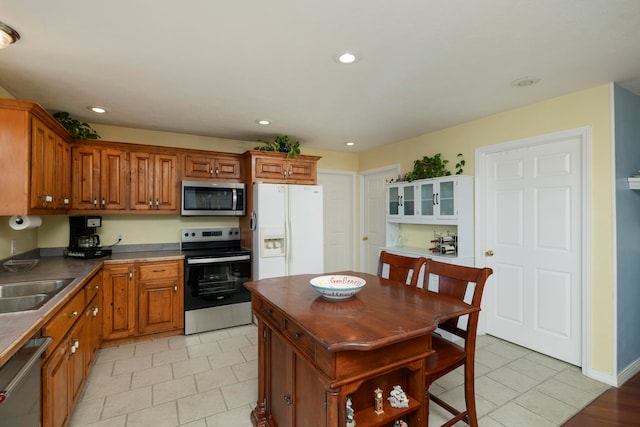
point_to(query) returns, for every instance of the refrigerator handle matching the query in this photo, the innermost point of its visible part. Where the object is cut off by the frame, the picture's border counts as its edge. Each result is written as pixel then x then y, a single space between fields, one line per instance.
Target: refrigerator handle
pixel 253 221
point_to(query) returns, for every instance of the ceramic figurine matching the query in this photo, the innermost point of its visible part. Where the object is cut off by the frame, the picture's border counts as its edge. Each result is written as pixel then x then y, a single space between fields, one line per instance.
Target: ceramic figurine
pixel 400 423
pixel 351 422
pixel 398 398
pixel 377 394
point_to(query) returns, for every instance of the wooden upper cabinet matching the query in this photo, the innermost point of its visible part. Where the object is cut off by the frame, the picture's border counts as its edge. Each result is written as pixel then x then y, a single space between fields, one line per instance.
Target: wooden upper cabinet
pixel 99 178
pixel 276 167
pixel 154 181
pixel 212 166
pixel 35 160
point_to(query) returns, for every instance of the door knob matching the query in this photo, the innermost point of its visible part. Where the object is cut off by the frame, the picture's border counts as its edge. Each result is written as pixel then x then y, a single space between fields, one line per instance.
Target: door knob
pixel 489 253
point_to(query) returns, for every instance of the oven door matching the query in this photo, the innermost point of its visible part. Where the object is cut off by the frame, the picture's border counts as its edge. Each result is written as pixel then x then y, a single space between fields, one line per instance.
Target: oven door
pixel 212 281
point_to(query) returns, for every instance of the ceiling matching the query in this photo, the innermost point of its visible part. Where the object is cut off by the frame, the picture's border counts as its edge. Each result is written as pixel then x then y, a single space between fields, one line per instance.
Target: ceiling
pixel 212 67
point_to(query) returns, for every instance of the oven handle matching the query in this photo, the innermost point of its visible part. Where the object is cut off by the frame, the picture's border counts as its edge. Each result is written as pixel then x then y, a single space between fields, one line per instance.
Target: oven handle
pixel 218 259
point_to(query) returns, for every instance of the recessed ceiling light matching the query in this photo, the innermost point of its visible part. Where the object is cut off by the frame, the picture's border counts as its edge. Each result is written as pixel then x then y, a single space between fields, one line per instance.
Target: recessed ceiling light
pixel 263 122
pixel 347 56
pixel 525 81
pixel 7 35
pixel 350 143
pixel 97 109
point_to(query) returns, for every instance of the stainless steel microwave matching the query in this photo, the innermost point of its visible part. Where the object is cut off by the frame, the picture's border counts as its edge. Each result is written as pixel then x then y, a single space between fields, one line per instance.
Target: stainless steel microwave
pixel 204 198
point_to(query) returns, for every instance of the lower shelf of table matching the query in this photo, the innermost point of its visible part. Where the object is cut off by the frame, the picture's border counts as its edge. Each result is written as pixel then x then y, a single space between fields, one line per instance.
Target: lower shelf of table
pixel 368 417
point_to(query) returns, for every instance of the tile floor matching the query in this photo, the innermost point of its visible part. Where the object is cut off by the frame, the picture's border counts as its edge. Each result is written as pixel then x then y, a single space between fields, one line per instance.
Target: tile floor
pixel 210 380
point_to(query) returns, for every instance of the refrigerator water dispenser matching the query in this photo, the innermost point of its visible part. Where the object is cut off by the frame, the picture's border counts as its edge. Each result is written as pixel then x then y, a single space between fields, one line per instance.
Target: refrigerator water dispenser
pixel 272 242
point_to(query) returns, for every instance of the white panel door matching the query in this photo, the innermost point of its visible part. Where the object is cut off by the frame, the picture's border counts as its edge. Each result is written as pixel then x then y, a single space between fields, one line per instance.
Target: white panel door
pixel 373 214
pixel 338 189
pixel 533 226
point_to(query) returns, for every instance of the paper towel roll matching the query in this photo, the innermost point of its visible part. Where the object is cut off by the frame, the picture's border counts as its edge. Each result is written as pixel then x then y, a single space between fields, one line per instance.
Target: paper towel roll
pixel 24 222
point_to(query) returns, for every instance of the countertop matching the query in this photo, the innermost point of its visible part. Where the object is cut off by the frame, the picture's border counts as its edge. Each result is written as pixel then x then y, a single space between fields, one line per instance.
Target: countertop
pixel 17 328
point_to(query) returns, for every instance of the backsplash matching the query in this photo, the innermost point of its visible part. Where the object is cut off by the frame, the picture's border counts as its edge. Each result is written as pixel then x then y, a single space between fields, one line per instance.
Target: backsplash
pixel 26 240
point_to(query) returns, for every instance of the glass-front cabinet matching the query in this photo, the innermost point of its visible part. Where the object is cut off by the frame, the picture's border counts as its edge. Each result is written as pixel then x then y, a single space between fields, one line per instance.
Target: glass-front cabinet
pixel 438 198
pixel 401 200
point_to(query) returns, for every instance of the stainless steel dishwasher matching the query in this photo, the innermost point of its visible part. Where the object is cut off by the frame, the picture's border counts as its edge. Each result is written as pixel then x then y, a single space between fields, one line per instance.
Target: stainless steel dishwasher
pixel 20 385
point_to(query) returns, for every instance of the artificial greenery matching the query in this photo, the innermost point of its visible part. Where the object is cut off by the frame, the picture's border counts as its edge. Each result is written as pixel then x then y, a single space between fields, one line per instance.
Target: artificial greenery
pixel 432 167
pixel 281 144
pixel 76 128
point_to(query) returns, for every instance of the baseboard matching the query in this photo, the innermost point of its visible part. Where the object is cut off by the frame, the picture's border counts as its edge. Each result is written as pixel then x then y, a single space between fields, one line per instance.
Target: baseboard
pixel 628 372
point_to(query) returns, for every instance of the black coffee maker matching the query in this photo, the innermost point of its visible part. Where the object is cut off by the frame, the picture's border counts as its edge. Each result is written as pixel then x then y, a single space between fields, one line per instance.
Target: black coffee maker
pixel 83 240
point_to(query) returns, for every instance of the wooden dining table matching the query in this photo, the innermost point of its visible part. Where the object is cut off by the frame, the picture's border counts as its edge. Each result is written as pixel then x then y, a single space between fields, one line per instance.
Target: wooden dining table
pixel 318 359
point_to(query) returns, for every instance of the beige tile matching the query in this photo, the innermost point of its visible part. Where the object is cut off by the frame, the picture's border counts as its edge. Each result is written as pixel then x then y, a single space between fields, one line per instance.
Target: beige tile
pixel 205 349
pixel 549 362
pixel 115 353
pixel 150 347
pixel 197 423
pixel 200 405
pixel 164 415
pixel 214 335
pixel 190 367
pixel 86 411
pixel 173 390
pixel 566 393
pixel 532 369
pixel 455 398
pixel 573 376
pixel 151 376
pixel 128 401
pixel 239 417
pixel 245 371
pixel 102 386
pixel 484 340
pixel 451 380
pixel 489 422
pixel 546 406
pixel 507 350
pixel 234 343
pixel 228 358
pixel 244 393
pixel 490 359
pixel 182 341
pixel 513 379
pixel 119 421
pixel 215 378
pixel 250 353
pixel 512 414
pixel 249 329
pixel 493 391
pixel 132 364
pixel 170 356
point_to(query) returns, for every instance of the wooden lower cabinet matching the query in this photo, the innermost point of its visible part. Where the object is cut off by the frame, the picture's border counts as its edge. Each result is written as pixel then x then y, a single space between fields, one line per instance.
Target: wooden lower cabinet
pixel 66 368
pixel 142 298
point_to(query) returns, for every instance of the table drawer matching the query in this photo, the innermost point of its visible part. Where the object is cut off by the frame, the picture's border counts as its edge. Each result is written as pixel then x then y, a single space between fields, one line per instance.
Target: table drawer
pixel 300 339
pixel 158 270
pixel 60 324
pixel 270 314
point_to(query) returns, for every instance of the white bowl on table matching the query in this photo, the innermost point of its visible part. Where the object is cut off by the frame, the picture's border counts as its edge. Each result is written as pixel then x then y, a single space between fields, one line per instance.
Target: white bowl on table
pixel 337 286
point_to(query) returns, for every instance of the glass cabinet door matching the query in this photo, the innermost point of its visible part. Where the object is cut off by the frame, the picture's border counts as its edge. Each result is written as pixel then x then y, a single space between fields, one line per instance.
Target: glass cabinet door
pixel 408 200
pixel 446 198
pixel 394 201
pixel 427 199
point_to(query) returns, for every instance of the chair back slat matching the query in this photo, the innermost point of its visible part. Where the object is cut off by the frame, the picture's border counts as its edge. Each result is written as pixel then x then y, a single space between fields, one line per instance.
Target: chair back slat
pixel 400 267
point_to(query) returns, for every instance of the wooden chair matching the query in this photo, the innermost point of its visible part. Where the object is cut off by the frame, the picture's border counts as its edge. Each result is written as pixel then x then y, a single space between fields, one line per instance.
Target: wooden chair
pixel 400 266
pixel 457 281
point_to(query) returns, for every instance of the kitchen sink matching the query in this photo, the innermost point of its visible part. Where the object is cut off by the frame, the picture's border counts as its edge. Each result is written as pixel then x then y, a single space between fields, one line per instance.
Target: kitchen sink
pixel 31 295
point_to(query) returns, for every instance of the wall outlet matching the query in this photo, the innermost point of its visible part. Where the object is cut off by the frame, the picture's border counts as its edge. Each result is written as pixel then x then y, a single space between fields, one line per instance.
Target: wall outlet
pixel 13 247
pixel 120 237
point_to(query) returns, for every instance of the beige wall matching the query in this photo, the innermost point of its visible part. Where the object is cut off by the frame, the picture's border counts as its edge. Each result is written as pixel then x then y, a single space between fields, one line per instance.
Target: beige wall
pixel 586 108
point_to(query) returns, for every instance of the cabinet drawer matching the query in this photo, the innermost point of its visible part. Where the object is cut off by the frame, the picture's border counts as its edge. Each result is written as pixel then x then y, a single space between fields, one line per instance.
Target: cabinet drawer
pixel 300 339
pixel 60 324
pixel 92 288
pixel 158 271
pixel 270 314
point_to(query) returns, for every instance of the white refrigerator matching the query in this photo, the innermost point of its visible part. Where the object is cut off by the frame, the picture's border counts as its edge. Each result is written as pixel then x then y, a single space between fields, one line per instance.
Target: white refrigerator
pixel 287 230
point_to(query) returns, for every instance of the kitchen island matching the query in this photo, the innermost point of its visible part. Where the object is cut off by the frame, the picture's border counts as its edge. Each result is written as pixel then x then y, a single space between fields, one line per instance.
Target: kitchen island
pixel 315 353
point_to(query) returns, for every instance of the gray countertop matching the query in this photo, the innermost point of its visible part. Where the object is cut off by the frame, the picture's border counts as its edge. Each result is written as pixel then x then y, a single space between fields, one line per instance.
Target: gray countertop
pixel 17 328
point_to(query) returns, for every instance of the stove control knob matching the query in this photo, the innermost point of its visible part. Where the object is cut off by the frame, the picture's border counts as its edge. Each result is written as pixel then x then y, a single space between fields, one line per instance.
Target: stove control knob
pixel 186 234
pixel 193 234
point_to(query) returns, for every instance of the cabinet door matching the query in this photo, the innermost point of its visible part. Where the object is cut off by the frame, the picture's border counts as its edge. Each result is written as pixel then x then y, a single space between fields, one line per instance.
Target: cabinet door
pixel 427 197
pixel 63 174
pixel 165 182
pixel 43 148
pixel 447 198
pixel 401 200
pixel 227 168
pixel 160 293
pixel 408 200
pixel 94 316
pixel 270 168
pixel 78 342
pixel 141 180
pixel 113 179
pixel 119 301
pixel 393 200
pixel 301 171
pixel 86 177
pixel 198 166
pixel 280 394
pixel 56 395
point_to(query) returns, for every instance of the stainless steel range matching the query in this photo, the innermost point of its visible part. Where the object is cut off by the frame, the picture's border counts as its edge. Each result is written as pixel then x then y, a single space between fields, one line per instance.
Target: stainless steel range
pixel 215 269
